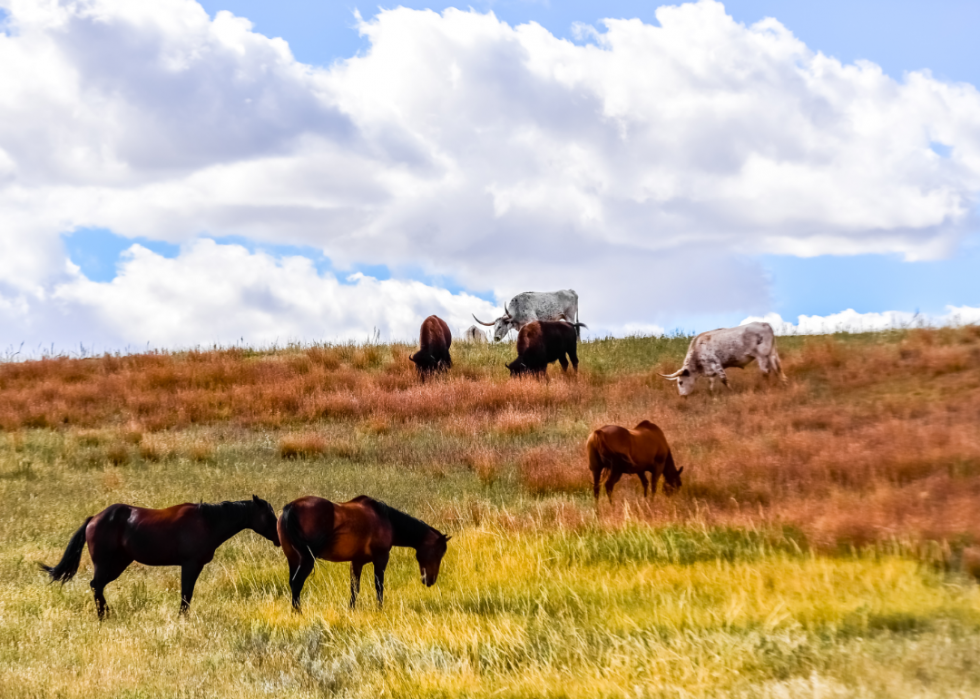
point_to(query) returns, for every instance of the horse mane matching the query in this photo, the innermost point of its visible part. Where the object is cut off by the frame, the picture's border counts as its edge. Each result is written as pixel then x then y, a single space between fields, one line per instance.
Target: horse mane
pixel 412 528
pixel 215 511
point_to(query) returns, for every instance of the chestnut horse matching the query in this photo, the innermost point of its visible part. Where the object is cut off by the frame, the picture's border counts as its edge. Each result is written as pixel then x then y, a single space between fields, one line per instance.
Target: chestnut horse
pixel 360 531
pixel 642 450
pixel 183 535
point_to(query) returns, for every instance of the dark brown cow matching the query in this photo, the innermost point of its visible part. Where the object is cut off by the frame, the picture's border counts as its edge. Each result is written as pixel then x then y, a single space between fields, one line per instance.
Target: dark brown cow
pixel 434 342
pixel 542 342
pixel 642 450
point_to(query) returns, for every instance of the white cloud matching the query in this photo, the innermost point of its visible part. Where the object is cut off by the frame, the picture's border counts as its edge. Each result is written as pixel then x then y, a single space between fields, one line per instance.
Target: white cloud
pixel 222 294
pixel 850 321
pixel 639 170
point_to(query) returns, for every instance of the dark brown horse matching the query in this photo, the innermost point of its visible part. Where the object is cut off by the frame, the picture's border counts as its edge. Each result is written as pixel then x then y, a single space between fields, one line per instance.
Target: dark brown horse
pixel 642 450
pixel 360 531
pixel 183 535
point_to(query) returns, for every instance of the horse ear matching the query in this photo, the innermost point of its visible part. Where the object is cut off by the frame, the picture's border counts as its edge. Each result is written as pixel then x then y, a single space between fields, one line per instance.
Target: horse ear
pixel 255 498
pixel 680 470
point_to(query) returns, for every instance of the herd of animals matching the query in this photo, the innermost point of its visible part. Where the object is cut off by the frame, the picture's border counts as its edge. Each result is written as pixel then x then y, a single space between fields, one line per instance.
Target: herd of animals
pixel 364 530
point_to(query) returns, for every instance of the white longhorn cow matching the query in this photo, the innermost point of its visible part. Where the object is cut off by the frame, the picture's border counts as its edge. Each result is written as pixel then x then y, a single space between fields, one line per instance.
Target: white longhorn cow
pixel 475 335
pixel 710 353
pixel 530 306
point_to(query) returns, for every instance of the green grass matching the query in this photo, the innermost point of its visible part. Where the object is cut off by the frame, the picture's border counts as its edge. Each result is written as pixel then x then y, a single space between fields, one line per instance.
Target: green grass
pixel 520 609
pixel 539 595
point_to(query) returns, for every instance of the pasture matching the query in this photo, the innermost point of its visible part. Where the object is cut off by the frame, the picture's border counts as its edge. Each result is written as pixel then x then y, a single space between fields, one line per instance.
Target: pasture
pixel 813 550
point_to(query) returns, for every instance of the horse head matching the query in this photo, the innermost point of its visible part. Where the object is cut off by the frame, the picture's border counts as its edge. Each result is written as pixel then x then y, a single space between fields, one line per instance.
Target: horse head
pixel 264 520
pixel 429 555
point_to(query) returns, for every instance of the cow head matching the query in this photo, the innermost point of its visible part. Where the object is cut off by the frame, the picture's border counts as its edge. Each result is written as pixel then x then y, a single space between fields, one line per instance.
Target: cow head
pixel 424 362
pixel 517 367
pixel 685 380
pixel 503 325
pixel 672 481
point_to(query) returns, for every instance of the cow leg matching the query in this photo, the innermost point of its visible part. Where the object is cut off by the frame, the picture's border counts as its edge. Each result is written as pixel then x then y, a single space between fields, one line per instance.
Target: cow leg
pixel 355 581
pixel 724 379
pixel 611 482
pixel 189 573
pixel 645 482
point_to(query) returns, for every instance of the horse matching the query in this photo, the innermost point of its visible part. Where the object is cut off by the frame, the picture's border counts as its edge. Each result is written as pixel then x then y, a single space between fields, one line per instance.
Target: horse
pixel 183 535
pixel 640 450
pixel 361 531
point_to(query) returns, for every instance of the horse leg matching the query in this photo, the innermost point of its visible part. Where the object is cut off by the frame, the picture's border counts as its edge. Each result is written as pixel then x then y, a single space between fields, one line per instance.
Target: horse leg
pixel 355 581
pixel 188 578
pixel 297 578
pixel 103 574
pixel 611 482
pixel 573 355
pixel 564 363
pixel 380 564
pixel 643 480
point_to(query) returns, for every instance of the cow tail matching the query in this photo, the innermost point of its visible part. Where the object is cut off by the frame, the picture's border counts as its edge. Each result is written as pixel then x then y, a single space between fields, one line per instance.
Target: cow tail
pixel 68 565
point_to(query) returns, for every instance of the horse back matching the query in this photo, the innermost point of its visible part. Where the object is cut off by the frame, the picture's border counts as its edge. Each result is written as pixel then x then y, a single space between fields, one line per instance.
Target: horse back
pixel 150 536
pixel 336 532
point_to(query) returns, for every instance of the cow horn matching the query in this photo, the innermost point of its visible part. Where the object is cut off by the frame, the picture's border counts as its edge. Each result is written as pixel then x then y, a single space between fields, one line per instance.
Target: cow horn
pixel 674 376
pixel 481 322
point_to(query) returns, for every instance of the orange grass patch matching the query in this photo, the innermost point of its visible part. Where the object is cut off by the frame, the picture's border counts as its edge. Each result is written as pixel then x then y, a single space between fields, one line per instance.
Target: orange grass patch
pixel 872 437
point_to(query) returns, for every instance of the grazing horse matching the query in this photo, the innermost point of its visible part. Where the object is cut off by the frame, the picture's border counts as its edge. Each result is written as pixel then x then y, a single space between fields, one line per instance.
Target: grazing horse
pixel 183 535
pixel 360 531
pixel 641 450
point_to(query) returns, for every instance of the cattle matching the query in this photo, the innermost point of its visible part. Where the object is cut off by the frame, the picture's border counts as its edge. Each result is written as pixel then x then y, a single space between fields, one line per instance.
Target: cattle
pixel 542 342
pixel 710 353
pixel 641 450
pixel 475 335
pixel 434 342
pixel 530 306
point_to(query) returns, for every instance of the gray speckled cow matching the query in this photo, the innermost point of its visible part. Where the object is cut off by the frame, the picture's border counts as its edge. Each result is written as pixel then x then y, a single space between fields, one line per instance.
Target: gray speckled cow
pixel 710 353
pixel 530 306
pixel 475 335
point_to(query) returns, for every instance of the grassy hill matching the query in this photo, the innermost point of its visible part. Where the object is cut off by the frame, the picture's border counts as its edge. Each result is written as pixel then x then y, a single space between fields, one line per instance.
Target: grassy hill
pixel 814 549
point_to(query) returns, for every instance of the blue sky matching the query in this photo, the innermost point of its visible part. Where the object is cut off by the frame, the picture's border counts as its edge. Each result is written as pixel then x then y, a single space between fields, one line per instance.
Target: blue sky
pixel 687 170
pixel 898 36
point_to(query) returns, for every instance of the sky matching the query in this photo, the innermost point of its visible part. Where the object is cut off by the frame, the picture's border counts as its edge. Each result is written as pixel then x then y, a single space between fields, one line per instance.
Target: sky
pixel 175 173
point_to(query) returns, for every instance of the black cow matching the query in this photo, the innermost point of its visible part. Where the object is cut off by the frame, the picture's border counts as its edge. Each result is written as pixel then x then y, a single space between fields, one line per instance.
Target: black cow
pixel 434 339
pixel 542 342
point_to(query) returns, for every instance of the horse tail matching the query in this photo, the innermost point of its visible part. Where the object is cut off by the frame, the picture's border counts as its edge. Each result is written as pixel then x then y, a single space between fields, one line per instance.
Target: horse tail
pixel 68 565
pixel 294 534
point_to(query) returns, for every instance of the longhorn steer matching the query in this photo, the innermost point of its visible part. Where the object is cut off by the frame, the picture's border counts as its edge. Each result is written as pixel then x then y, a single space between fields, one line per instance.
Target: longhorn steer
pixel 475 335
pixel 530 306
pixel 542 342
pixel 434 341
pixel 710 353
